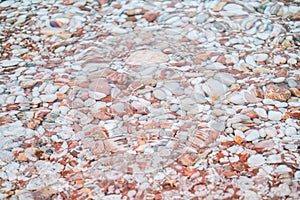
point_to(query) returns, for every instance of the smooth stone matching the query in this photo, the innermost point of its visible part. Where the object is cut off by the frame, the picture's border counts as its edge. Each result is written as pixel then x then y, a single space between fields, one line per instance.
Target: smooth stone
pixel 214 88
pixel 268 101
pixel 274 115
pixel 261 112
pixel 12 62
pixel 193 35
pixel 198 98
pixel 277 93
pixel 100 85
pixel 218 126
pixel 146 57
pixel 97 95
pixel 237 99
pixel 51 89
pixel 278 80
pixel 274 158
pixel 51 31
pixel 172 20
pixel 35 184
pixel 256 160
pixel 260 57
pixel 36 100
pixel 29 83
pixel 215 66
pixel 279 104
pixel 263 35
pixel 200 18
pixel 226 78
pixel 250 97
pixel 281 191
pixel 282 169
pixel 270 132
pixel 252 135
pixel 297 175
pixel 290 131
pixel 48 97
pixel 6 4
pixel 159 94
pixel 231 6
pixel 279 59
pixel 292 83
pixel 118 30
pixel 250 60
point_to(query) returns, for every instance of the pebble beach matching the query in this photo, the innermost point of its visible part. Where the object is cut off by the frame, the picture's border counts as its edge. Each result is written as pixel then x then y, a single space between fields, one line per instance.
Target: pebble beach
pixel 149 100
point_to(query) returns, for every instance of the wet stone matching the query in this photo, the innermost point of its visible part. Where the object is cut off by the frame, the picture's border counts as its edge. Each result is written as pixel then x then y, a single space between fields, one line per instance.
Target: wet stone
pixel 252 135
pixel 226 78
pixel 214 88
pixel 256 160
pixel 237 99
pixel 119 100
pixel 276 93
pixel 274 115
pixel 273 159
pixel 100 85
pixel 48 97
pixel 146 57
pixel 159 94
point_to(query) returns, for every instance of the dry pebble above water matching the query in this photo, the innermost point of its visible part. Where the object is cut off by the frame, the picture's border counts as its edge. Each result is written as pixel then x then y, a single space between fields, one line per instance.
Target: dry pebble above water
pixel 149 100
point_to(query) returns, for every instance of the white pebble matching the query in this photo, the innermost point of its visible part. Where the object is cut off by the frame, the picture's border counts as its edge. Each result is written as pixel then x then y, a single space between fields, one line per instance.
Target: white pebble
pixel 261 112
pixel 290 131
pixel 256 160
pixel 282 169
pixel 274 115
pixel 159 94
pixel 48 97
pixel 274 158
pixel 252 135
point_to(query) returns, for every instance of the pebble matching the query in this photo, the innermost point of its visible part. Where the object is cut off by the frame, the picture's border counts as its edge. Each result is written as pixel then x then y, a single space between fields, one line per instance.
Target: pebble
pixel 48 97
pixel 282 169
pixel 237 99
pixel 225 78
pixel 261 112
pixel 201 18
pixel 297 175
pixel 276 93
pixel 219 126
pixel 51 89
pixel 159 94
pixel 273 159
pixel 100 85
pixel 274 115
pixel 146 57
pixel 133 78
pixel 282 190
pixel 270 132
pixel 193 35
pixel 260 57
pixel 214 88
pixel 278 80
pixel 216 66
pixel 6 4
pixel 290 131
pixel 12 62
pixel 279 59
pixel 256 160
pixel 252 135
pixel 29 83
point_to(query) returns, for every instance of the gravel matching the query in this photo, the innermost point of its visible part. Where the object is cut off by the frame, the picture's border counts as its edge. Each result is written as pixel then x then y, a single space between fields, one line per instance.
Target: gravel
pixel 149 100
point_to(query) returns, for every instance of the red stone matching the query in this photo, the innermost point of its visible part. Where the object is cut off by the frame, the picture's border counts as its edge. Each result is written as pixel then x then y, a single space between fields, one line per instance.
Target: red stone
pixel 150 16
pixel 100 85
